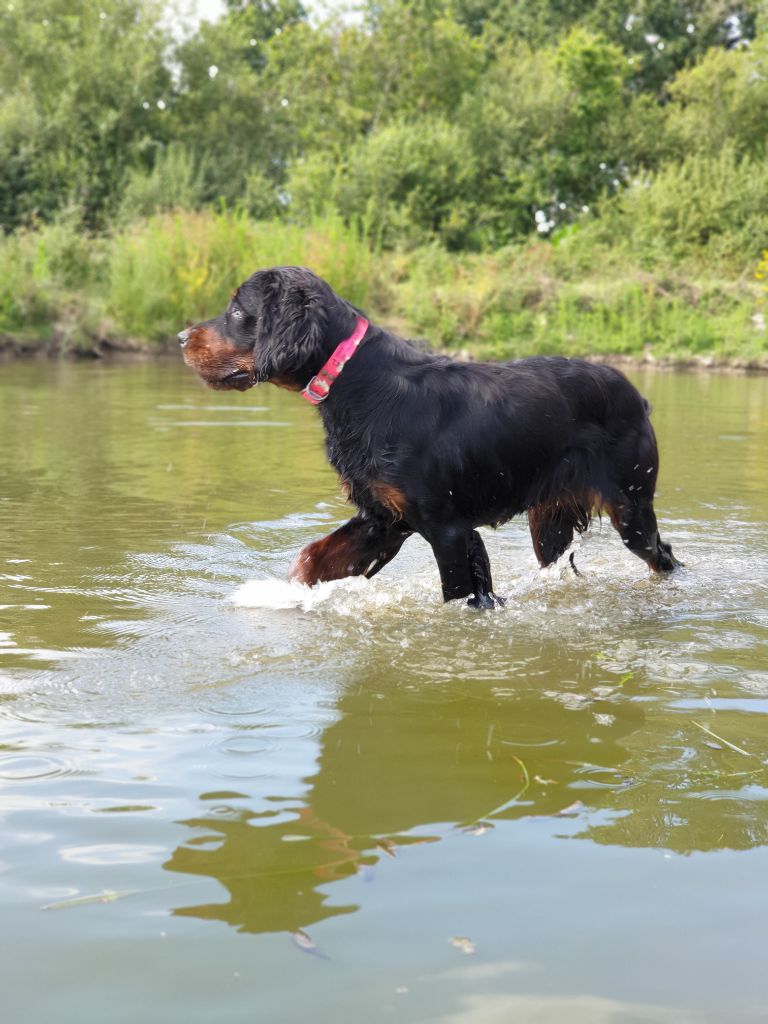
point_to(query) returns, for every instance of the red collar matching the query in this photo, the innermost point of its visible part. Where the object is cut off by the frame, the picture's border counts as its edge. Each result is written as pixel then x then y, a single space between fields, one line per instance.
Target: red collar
pixel 317 389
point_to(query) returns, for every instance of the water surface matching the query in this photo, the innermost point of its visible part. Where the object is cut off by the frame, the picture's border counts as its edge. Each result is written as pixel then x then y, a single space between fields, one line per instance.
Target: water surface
pixel 227 798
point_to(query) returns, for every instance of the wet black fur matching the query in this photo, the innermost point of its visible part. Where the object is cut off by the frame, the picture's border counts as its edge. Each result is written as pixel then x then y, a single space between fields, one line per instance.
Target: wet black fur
pixel 466 444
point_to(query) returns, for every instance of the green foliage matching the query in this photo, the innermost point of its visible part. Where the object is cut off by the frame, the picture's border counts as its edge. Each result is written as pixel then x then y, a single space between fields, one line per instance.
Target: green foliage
pixel 709 209
pixel 221 118
pixel 316 87
pixel 142 172
pixel 260 20
pixel 144 283
pixel 521 106
pixel 424 60
pixel 594 71
pixel 471 122
pixel 536 23
pixel 48 279
pixel 540 130
pixel 761 271
pixel 661 37
pixel 80 83
pixel 518 302
pixel 547 131
pixel 722 101
pixel 26 294
pixel 407 183
pixel 147 280
pixel 177 180
pixel 177 268
pixel 330 85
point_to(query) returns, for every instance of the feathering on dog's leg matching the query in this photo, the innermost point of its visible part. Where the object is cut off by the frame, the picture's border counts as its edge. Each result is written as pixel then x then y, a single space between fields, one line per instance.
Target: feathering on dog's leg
pixel 361 547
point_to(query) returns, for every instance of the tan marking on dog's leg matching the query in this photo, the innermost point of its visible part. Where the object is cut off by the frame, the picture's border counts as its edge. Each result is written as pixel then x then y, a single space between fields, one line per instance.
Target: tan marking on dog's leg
pixel 391 497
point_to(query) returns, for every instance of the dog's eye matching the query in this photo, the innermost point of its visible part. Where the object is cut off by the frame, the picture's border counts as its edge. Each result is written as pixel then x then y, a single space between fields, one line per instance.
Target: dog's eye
pixel 237 313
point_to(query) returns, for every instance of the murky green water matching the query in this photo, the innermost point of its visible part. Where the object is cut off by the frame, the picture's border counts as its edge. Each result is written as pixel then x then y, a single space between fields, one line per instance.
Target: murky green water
pixel 225 799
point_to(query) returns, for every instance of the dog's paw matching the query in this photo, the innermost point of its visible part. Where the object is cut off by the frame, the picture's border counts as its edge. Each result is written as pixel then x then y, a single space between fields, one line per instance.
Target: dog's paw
pixel 486 601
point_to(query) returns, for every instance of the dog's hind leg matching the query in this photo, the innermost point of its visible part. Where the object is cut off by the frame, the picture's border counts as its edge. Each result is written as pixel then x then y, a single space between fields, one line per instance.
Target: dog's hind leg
pixel 630 502
pixel 636 524
pixel 552 527
pixel 361 547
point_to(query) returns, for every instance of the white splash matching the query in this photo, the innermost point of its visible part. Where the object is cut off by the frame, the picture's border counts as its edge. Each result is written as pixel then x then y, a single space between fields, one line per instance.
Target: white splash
pixel 279 594
pixel 354 596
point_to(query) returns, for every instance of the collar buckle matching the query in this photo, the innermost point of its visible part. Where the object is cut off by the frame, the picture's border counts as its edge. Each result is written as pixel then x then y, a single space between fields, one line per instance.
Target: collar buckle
pixel 313 391
pixel 318 388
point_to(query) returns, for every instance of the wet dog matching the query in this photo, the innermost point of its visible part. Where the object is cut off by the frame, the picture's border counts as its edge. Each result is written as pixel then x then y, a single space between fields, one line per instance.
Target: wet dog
pixel 424 444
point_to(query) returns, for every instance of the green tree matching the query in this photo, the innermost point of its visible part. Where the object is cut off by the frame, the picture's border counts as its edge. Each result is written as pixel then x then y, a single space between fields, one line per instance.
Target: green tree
pixel 222 116
pixel 315 86
pixel 334 82
pixel 423 58
pixel 709 206
pixel 84 95
pixel 409 182
pixel 537 23
pixel 659 36
pixel 722 100
pixel 257 21
pixel 591 154
pixel 546 130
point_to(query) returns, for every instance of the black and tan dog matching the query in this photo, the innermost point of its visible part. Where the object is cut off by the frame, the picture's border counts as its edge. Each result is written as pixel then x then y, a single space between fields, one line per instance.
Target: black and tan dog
pixel 427 445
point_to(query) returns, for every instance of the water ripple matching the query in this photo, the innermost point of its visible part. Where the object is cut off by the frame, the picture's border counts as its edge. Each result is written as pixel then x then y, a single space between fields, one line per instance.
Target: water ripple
pixel 27 767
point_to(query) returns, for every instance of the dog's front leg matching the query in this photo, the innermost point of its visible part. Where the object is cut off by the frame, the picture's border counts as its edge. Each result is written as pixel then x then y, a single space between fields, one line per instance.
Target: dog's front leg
pixel 360 547
pixel 480 571
pixel 465 570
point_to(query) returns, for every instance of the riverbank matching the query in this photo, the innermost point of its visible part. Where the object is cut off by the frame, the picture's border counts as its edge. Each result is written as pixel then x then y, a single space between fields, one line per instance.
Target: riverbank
pixel 131 353
pixel 66 293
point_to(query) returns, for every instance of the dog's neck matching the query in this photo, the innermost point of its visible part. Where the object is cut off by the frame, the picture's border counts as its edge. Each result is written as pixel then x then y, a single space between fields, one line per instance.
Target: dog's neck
pixel 342 320
pixel 319 387
pixel 341 324
pixel 338 324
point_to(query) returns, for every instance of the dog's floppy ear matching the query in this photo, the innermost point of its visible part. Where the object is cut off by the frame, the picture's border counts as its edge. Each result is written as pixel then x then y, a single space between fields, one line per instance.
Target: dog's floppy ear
pixel 294 319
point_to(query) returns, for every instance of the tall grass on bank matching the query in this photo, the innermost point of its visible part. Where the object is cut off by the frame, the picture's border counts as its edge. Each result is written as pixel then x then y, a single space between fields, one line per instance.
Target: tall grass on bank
pixel 139 286
pixel 582 294
pixel 50 285
pixel 545 299
pixel 181 268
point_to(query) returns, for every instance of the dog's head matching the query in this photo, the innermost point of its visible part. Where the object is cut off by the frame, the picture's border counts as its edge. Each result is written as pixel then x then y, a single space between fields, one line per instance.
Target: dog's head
pixel 281 325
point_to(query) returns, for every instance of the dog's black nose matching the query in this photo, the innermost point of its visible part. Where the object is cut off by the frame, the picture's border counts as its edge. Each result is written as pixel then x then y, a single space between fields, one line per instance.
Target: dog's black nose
pixel 183 337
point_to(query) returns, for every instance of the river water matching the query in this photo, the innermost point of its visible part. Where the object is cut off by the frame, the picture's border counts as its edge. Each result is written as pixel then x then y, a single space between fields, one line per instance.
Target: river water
pixel 227 798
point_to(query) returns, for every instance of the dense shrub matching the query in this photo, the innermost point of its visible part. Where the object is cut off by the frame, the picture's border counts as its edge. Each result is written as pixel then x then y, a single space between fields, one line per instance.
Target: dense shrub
pixel 707 208
pixel 407 183
pixel 722 101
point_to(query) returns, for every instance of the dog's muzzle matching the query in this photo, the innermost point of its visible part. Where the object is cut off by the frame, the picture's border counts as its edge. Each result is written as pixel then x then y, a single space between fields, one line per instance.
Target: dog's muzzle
pixel 183 337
